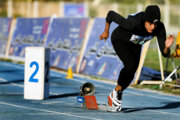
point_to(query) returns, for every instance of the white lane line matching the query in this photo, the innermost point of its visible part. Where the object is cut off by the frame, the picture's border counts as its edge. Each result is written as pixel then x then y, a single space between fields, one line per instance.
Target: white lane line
pixel 53 102
pixel 14 65
pixel 4 93
pixel 48 111
pixel 17 114
pixel 4 80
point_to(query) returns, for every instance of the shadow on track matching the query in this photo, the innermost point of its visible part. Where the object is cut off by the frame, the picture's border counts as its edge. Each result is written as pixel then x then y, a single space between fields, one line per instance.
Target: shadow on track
pixel 169 105
pixel 63 95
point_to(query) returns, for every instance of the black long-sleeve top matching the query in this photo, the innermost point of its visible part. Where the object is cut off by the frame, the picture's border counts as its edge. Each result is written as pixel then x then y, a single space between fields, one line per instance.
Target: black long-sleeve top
pixel 133 29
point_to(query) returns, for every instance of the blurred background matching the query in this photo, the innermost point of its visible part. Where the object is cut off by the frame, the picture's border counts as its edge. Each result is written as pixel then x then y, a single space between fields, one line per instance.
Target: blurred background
pixel 170 15
pixel 94 8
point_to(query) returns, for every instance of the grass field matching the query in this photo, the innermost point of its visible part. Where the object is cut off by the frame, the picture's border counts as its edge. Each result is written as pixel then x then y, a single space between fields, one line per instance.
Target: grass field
pixel 167 88
pixel 152 58
pixel 152 61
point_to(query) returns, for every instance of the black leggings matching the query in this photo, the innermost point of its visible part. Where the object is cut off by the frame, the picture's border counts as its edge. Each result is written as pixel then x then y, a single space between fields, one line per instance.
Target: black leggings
pixel 129 54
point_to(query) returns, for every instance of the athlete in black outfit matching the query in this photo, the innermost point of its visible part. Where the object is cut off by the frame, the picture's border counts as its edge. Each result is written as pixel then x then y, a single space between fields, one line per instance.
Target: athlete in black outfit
pixel 127 40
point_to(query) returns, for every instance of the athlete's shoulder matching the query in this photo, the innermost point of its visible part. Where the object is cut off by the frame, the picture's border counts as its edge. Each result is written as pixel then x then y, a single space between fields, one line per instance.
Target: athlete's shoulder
pixel 160 30
pixel 160 26
pixel 136 18
pixel 136 15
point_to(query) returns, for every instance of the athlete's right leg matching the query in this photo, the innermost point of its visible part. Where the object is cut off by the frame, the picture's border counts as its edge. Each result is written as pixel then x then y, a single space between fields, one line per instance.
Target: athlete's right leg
pixel 130 60
pixel 116 97
pixel 129 54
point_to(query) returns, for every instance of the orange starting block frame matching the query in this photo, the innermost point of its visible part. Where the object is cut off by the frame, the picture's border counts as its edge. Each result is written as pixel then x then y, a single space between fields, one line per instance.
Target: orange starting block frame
pixel 90 102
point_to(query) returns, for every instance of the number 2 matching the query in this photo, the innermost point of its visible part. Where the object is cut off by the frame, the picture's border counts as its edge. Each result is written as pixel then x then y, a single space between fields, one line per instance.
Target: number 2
pixel 32 79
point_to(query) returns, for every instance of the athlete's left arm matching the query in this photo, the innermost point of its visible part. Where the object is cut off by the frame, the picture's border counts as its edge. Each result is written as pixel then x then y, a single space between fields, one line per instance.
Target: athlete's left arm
pixel 168 43
pixel 164 43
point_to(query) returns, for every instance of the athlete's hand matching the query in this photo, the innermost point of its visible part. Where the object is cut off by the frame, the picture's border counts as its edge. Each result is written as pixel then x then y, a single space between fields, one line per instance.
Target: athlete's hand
pixel 104 36
pixel 169 41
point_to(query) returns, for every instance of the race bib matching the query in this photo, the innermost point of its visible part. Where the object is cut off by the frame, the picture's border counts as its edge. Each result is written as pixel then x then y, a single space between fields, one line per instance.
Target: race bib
pixel 139 39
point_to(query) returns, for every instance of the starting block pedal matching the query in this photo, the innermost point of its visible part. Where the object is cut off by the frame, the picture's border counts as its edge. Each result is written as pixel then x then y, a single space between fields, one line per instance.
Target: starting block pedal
pixel 90 102
pixel 80 99
pixel 108 107
pixel 109 101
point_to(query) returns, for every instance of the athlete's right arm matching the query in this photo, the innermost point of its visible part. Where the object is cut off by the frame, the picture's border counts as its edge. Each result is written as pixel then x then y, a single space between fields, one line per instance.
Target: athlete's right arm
pixel 120 20
pixel 105 34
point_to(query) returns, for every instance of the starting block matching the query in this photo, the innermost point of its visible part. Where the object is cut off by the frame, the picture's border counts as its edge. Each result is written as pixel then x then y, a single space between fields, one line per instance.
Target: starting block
pixel 109 101
pixel 90 102
pixel 87 100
